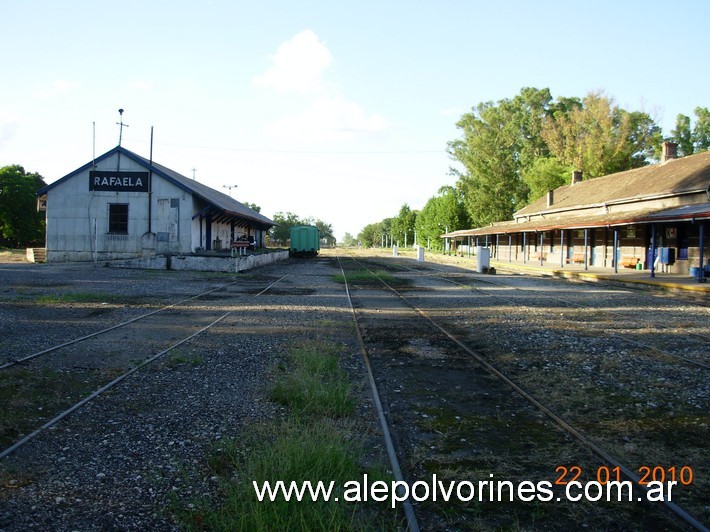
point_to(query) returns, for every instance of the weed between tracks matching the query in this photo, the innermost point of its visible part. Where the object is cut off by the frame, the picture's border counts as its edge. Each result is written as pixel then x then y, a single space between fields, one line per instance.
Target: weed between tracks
pixel 29 398
pixel 315 440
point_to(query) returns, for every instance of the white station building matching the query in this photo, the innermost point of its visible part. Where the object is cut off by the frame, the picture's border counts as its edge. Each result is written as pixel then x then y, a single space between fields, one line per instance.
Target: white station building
pixel 123 206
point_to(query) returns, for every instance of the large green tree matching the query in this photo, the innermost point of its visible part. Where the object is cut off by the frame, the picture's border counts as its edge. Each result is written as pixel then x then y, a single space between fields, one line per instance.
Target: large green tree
pixel 20 223
pixel 696 139
pixel 499 141
pixel 513 151
pixel 600 138
pixel 403 225
pixel 546 173
pixel 281 232
pixel 683 135
pixel 349 240
pixel 371 235
pixel 443 212
pixel 326 229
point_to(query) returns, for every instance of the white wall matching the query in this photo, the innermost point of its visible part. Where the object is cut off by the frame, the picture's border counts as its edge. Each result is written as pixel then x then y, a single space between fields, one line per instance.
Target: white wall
pixel 77 218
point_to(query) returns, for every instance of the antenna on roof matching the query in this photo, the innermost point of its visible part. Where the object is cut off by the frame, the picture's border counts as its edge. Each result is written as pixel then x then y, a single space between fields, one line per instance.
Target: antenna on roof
pixel 120 131
pixel 193 173
pixel 230 187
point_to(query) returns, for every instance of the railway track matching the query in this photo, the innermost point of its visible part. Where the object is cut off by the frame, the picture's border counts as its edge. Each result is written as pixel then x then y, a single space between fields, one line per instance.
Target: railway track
pixel 432 395
pixel 620 325
pixel 195 318
pixel 432 365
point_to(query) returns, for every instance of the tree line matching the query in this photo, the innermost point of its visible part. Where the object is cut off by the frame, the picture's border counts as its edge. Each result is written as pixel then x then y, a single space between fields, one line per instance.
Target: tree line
pixel 21 225
pixel 280 234
pixel 511 152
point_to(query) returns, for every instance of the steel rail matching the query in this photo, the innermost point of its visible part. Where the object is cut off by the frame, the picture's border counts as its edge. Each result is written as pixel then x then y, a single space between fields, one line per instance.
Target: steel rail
pixel 412 523
pixel 14 362
pixel 579 305
pixel 572 304
pixel 117 380
pixel 584 440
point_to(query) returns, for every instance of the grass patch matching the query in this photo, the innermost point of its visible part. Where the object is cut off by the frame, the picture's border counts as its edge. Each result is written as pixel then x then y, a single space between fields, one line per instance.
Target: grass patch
pixel 310 382
pixel 292 451
pixel 82 297
pixel 315 442
pixel 179 358
pixel 29 398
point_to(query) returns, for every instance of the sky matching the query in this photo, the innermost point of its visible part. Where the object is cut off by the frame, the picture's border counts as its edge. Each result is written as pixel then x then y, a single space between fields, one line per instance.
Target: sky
pixel 339 111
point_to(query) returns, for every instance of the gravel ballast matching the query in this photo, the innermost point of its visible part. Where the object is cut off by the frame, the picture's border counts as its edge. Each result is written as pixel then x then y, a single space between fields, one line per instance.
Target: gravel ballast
pixel 136 457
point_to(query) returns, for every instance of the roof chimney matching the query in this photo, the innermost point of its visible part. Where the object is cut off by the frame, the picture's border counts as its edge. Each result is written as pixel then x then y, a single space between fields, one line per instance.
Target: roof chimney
pixel 576 177
pixel 670 151
pixel 550 197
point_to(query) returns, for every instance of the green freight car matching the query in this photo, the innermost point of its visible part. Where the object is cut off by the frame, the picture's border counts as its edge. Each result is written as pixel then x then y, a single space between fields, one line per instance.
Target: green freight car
pixel 305 241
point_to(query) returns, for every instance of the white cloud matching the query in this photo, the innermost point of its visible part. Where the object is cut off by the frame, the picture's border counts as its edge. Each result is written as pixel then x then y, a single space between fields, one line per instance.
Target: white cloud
pixel 327 118
pixel 298 65
pixel 56 87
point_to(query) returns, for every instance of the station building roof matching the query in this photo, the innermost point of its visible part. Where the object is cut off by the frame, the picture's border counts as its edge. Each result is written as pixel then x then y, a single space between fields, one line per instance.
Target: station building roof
pixel 590 203
pixel 220 206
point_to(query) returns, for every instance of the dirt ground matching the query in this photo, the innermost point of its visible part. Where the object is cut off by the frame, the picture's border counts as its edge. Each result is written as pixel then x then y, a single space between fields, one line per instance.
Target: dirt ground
pixel 12 255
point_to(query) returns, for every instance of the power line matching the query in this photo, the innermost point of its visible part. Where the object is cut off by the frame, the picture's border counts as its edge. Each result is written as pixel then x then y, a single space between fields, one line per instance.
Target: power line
pixel 301 152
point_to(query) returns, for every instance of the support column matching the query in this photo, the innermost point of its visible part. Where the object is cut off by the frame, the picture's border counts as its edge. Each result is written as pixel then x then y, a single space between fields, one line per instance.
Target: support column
pixel 586 249
pixel 510 247
pixel 562 248
pixel 201 232
pixel 615 255
pixel 653 250
pixel 525 248
pixel 701 258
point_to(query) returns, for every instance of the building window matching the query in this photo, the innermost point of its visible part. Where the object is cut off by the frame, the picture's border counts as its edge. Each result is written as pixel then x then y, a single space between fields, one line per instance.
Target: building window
pixel 118 218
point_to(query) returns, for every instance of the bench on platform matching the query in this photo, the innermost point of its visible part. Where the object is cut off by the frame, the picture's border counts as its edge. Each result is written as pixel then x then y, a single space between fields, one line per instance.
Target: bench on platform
pixel 241 246
pixel 630 262
pixel 577 258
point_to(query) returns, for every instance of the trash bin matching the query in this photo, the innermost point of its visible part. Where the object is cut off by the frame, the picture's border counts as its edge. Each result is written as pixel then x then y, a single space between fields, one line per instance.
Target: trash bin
pixel 483 259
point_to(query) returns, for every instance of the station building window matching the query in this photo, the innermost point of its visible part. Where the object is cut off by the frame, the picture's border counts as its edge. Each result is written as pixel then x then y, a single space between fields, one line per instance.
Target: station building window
pixel 118 218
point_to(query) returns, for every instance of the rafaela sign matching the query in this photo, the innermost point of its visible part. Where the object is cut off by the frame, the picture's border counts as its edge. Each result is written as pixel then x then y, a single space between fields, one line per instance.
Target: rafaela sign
pixel 118 181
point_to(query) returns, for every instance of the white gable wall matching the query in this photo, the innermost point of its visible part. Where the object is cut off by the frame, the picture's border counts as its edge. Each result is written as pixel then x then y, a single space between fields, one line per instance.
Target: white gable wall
pixel 78 219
